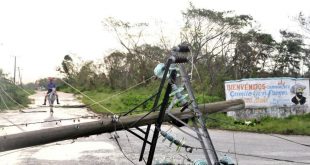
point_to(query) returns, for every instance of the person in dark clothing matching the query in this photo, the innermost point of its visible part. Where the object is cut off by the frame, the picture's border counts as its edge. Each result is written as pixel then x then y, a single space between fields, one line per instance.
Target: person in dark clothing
pixel 298 90
pixel 50 87
pixel 299 99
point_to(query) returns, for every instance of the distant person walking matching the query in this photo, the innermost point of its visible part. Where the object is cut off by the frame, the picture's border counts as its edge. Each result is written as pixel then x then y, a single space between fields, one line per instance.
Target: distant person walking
pixel 50 87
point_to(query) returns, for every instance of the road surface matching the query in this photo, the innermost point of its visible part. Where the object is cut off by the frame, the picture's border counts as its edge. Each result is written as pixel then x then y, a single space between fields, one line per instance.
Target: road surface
pixel 102 149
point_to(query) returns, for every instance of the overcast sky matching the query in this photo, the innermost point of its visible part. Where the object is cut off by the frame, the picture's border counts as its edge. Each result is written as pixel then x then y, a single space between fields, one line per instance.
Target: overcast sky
pixel 40 32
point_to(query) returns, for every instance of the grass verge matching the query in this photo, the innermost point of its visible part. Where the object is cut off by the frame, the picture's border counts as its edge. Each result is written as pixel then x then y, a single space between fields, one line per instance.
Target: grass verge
pixel 11 95
pixel 297 125
pixel 121 103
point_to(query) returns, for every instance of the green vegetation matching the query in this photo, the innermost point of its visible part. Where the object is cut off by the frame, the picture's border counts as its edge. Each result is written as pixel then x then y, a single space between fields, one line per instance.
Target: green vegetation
pixel 124 102
pixel 298 125
pixel 10 92
pixel 119 103
pixel 224 46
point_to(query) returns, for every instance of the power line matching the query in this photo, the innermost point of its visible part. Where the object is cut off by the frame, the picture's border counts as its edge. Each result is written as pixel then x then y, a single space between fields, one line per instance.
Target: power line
pixel 264 157
pixel 235 148
pixel 225 122
pixel 276 136
pixel 56 120
pixel 23 90
pixel 124 91
pixel 121 149
pixel 3 79
pixel 1 87
pixel 251 155
pixel 13 123
pixel 7 108
pixel 87 96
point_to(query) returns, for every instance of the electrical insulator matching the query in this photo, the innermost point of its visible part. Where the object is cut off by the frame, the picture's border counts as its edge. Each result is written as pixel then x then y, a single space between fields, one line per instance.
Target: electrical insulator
pixel 177 93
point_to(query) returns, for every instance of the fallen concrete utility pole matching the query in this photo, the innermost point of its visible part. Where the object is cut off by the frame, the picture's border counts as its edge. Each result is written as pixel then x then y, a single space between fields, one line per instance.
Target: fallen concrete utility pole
pixel 105 125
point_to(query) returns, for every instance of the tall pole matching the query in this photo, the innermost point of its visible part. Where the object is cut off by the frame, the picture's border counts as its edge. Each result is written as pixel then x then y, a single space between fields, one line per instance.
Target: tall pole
pixel 20 77
pixel 162 113
pixel 201 122
pixel 14 69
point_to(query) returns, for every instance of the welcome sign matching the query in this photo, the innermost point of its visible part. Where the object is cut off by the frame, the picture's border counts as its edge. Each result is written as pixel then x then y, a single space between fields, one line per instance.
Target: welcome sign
pixel 269 92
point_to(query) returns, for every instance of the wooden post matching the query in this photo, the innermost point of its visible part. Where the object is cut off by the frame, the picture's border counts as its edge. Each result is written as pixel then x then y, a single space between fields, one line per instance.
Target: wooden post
pixel 105 125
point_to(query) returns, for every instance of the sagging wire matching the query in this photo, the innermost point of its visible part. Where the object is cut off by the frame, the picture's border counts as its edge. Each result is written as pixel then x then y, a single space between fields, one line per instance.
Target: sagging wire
pixel 145 115
pixel 292 141
pixel 203 98
pixel 110 97
pixel 115 119
pixel 276 136
pixel 248 155
pixel 124 91
pixel 19 87
pixel 235 147
pixel 23 89
pixel 121 149
pixel 105 108
pixel 7 108
pixel 186 158
pixel 56 120
pixel 59 120
pixel 262 157
pixel 183 123
pixel 127 137
pixel 194 66
pixel 135 108
pixel 169 147
pixel 22 149
pixel 13 124
pixel 184 131
pixel 1 87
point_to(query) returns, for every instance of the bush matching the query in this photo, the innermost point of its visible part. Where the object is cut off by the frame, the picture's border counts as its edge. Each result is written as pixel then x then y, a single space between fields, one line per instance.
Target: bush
pixel 12 92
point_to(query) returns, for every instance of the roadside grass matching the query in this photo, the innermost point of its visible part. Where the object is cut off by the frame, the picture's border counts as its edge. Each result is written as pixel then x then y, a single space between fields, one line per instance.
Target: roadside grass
pixel 122 103
pixel 15 93
pixel 297 124
pixel 119 101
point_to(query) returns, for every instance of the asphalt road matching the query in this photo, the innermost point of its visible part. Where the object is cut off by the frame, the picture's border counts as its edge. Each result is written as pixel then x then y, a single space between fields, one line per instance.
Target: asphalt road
pixel 255 149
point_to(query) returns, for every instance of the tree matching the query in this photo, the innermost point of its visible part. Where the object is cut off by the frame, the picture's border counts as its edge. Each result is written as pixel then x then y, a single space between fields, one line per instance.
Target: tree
pixel 290 53
pixel 68 68
pixel 252 51
pixel 304 22
pixel 115 66
pixel 128 34
pixel 139 59
pixel 209 32
pixel 210 35
pixel 88 77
